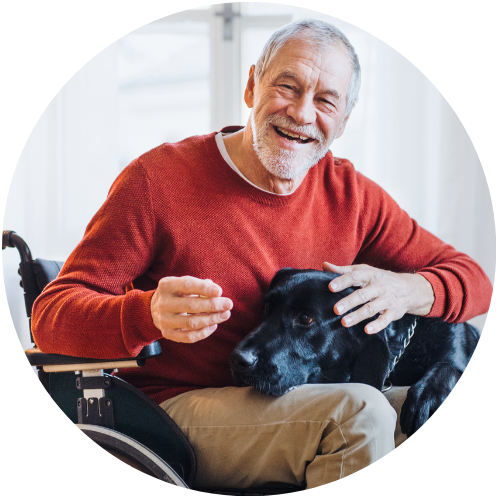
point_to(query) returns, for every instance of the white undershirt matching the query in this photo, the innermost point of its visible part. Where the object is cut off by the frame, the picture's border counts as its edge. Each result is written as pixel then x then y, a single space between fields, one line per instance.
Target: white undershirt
pixel 223 151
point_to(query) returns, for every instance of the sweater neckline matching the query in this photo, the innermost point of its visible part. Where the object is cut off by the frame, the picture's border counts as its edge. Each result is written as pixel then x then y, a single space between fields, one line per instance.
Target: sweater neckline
pixel 250 190
pixel 219 140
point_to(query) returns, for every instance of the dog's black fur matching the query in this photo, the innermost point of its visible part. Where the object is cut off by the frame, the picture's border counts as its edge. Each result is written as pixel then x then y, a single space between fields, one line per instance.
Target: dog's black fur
pixel 302 341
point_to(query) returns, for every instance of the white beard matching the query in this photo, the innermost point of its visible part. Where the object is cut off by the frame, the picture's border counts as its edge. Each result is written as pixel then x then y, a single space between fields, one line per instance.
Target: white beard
pixel 283 163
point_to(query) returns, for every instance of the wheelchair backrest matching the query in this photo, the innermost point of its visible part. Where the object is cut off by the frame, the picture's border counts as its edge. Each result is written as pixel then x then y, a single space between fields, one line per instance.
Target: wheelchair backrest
pixel 35 274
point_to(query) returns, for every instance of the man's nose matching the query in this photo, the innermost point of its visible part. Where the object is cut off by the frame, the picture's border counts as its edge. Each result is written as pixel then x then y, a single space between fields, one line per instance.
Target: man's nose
pixel 302 110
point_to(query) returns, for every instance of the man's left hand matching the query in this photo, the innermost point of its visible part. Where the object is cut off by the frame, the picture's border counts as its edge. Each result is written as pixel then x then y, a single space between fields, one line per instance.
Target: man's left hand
pixel 389 294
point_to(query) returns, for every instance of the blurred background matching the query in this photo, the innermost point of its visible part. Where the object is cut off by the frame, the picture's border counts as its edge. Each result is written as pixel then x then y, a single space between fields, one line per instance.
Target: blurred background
pixel 184 75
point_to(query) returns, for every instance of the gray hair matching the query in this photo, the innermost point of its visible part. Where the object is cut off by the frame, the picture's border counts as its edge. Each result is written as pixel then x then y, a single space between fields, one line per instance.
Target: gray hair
pixel 321 34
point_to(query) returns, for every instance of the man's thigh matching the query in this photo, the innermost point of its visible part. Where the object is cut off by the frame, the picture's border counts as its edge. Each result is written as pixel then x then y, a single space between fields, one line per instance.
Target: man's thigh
pixel 244 438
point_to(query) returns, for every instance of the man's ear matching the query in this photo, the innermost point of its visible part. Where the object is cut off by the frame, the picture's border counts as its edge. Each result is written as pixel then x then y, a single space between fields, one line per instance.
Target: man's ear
pixel 249 90
pixel 341 129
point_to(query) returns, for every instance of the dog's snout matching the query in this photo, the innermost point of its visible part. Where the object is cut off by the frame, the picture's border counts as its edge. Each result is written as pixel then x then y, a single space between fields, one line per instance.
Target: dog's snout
pixel 243 360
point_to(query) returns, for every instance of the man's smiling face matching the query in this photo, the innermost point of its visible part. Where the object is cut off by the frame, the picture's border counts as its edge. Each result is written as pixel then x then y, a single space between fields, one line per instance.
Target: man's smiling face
pixel 299 106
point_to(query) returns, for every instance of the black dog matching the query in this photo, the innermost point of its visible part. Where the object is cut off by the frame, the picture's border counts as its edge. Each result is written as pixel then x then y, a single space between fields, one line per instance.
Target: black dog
pixel 302 341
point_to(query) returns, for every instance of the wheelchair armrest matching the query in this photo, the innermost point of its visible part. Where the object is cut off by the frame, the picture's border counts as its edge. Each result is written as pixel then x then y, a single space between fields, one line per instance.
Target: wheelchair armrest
pixel 61 363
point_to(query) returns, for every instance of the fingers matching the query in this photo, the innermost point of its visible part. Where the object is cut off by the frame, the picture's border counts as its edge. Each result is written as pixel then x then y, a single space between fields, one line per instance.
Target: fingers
pixel 190 336
pixel 191 322
pixel 188 309
pixel 333 268
pixel 187 285
pixel 198 305
pixel 358 275
pixel 383 321
pixel 357 298
pixel 381 294
pixel 368 311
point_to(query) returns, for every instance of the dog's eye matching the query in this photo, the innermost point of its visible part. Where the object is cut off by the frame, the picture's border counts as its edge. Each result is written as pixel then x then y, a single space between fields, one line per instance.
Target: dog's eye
pixel 305 319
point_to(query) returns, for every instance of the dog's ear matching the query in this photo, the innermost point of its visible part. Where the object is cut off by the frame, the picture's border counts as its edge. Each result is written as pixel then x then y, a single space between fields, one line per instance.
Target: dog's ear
pixel 282 275
pixel 287 272
pixel 371 364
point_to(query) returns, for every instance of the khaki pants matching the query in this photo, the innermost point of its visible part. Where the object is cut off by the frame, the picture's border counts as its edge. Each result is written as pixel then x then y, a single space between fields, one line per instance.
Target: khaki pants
pixel 313 435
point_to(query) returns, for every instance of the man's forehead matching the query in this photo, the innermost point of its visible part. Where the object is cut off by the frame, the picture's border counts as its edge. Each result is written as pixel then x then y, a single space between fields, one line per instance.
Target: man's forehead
pixel 299 57
pixel 319 53
pixel 327 58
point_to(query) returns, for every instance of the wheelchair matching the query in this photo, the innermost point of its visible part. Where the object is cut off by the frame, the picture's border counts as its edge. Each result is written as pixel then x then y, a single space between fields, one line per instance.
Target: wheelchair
pixel 114 414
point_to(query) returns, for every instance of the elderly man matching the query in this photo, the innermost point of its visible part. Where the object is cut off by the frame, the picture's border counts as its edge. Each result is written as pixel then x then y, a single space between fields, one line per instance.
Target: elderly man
pixel 188 241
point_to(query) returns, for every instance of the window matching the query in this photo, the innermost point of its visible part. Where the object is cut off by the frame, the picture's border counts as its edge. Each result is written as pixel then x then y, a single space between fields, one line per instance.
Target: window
pixel 185 74
pixel 163 85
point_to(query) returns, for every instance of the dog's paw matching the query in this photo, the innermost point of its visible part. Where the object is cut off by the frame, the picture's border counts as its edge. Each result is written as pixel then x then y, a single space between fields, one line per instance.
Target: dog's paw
pixel 416 410
pixel 426 396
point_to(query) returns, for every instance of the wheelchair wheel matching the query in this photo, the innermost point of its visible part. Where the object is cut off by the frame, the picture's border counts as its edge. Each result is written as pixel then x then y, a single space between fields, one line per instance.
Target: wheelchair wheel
pixel 132 453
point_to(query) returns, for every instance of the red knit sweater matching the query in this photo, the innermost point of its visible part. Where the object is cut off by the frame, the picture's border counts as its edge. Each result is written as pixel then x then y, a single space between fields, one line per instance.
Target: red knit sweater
pixel 181 210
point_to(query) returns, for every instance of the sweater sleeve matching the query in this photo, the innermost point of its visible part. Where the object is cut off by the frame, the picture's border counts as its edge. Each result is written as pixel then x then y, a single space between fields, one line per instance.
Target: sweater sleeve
pixel 117 247
pixel 394 241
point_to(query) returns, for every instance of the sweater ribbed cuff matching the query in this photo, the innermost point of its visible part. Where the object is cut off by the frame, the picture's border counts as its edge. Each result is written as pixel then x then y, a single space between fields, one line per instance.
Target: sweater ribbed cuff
pixel 438 308
pixel 137 324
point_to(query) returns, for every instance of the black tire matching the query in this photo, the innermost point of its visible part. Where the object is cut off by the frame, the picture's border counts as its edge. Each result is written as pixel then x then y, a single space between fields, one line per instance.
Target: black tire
pixel 132 452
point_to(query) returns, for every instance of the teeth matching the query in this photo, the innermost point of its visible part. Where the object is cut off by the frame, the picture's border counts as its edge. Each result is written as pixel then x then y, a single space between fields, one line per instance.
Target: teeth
pixel 295 136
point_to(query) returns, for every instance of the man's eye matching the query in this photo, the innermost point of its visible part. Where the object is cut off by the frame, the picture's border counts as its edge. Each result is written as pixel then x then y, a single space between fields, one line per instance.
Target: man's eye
pixel 305 319
pixel 328 103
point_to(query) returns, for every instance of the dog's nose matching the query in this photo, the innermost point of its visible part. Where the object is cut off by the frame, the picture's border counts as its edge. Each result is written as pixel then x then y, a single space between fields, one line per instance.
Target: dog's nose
pixel 242 361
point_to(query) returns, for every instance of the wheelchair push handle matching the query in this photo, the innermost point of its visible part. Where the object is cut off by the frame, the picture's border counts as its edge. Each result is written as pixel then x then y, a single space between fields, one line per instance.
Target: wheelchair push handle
pixel 6 239
pixel 12 240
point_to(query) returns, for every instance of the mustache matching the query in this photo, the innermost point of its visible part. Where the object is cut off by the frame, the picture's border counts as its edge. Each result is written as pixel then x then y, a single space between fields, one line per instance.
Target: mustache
pixel 307 130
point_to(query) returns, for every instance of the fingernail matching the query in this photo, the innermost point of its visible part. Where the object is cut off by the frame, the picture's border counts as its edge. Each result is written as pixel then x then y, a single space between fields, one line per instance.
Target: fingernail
pixel 224 315
pixel 340 309
pixel 369 329
pixel 212 328
pixel 333 285
pixel 347 320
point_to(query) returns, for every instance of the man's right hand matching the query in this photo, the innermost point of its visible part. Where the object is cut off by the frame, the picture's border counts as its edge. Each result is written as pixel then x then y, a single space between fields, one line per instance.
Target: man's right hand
pixel 188 309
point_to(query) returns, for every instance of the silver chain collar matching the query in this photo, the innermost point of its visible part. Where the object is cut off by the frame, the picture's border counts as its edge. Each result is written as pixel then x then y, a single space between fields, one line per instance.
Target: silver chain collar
pixel 406 343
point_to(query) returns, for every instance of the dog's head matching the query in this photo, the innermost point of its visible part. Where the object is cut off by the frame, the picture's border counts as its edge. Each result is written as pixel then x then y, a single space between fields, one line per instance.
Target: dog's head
pixel 300 339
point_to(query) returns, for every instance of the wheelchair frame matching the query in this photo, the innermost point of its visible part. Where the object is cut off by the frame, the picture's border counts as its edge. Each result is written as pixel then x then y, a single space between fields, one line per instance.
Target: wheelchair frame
pixel 113 413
